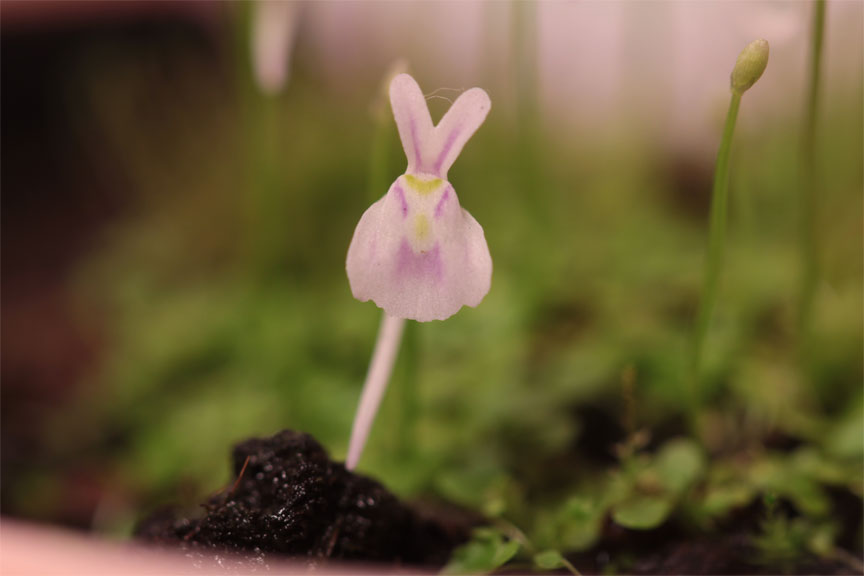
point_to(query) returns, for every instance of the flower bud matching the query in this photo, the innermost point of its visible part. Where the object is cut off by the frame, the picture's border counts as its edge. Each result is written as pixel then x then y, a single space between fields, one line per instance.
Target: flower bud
pixel 750 65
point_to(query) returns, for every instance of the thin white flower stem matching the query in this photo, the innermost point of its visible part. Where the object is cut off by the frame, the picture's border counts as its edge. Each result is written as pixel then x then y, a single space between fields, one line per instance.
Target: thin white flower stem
pixel 383 359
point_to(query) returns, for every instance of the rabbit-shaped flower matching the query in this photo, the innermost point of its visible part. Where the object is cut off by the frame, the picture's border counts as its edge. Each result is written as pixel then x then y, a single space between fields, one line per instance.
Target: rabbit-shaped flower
pixel 416 252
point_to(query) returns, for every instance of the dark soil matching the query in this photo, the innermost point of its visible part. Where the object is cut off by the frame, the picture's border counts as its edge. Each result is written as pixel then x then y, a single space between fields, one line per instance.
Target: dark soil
pixel 674 549
pixel 290 500
pixel 729 554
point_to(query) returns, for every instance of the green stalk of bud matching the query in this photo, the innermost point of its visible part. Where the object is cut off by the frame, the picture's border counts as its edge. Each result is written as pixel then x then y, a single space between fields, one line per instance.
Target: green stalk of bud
pixel 748 69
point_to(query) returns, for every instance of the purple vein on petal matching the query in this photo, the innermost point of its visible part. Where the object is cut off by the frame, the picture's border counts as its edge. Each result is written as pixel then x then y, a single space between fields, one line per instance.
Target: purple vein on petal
pixel 439 208
pixel 451 139
pixel 401 194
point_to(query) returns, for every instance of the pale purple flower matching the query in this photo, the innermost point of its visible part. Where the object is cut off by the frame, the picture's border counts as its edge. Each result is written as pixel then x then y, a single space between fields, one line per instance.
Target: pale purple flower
pixel 416 252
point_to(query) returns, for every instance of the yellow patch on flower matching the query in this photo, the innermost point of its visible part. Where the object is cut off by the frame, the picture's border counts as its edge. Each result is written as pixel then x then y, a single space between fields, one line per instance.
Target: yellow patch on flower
pixel 422 229
pixel 423 187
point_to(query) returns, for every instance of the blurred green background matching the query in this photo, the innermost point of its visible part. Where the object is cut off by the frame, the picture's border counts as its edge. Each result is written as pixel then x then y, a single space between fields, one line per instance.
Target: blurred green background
pixel 201 229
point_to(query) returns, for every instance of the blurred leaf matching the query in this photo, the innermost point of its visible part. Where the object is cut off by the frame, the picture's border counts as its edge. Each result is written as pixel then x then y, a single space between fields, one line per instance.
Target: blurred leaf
pixel 680 463
pixel 820 541
pixel 579 523
pixel 722 499
pixel 487 550
pixel 642 512
pixel 824 469
pixel 472 481
pixel 845 438
pixel 783 541
pixel 549 560
pixel 776 474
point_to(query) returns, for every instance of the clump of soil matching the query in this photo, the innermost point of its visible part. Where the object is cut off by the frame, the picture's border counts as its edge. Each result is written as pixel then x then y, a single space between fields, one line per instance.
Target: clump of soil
pixel 290 499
